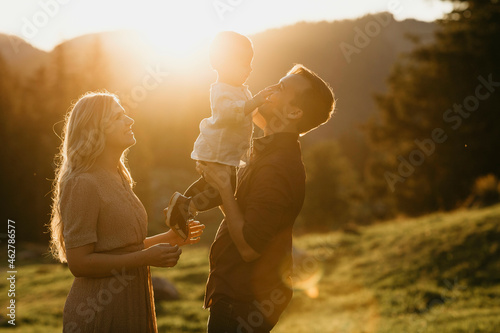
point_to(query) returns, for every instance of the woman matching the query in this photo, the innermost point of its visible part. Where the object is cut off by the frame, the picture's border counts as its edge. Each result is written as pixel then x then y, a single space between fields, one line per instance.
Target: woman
pixel 98 225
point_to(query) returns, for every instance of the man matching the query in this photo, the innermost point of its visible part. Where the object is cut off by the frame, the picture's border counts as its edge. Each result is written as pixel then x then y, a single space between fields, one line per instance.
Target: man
pixel 249 284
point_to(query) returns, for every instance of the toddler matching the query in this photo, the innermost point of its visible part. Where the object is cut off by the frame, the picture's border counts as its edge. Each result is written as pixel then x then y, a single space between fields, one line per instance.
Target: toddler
pixel 224 136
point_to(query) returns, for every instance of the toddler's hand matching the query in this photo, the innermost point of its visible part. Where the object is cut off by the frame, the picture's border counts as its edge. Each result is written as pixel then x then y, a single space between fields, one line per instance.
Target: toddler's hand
pixel 261 97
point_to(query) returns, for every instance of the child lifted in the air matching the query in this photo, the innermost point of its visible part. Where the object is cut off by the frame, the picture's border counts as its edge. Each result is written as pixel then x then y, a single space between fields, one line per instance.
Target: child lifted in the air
pixel 224 136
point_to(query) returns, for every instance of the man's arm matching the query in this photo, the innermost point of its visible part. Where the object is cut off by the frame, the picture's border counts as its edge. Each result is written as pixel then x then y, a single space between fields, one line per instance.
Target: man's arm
pixel 235 221
pixel 219 176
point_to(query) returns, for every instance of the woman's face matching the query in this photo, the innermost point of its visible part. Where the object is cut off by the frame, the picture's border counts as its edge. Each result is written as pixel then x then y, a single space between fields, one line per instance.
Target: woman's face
pixel 119 133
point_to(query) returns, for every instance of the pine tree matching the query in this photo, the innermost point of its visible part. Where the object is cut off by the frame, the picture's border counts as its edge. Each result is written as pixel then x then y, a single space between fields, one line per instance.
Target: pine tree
pixel 438 131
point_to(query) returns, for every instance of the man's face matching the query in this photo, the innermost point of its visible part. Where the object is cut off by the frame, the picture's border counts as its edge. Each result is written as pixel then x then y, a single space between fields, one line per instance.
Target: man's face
pixel 286 90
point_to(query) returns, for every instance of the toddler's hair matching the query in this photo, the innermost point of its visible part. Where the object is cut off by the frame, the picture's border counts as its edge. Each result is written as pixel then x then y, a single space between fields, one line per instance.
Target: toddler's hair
pixel 229 46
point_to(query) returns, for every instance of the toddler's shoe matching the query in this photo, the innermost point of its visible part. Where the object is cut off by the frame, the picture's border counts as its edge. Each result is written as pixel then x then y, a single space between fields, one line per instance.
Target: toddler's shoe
pixel 178 214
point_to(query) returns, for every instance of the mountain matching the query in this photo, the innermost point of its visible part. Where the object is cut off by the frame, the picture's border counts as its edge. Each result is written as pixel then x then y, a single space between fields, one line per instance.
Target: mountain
pixel 21 57
pixel 354 56
pixel 119 49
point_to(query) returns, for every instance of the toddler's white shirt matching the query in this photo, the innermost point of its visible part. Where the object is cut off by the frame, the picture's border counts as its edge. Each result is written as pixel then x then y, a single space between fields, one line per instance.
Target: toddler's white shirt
pixel 225 136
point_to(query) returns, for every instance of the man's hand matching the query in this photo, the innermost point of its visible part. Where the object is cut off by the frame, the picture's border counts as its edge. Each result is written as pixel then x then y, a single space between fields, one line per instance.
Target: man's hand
pixel 195 232
pixel 216 174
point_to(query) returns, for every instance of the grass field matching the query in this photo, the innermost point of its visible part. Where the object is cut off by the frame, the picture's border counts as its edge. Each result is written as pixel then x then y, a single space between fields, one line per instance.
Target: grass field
pixel 437 274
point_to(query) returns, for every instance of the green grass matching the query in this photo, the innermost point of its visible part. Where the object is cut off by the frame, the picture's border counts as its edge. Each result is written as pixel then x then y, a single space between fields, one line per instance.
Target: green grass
pixel 438 273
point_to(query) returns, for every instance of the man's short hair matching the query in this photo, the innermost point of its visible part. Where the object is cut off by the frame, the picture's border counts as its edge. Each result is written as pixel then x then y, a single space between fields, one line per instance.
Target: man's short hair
pixel 317 102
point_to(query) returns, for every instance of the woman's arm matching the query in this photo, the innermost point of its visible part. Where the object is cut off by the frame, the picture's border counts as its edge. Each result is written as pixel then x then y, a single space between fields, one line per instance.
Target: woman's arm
pixel 83 261
pixel 161 250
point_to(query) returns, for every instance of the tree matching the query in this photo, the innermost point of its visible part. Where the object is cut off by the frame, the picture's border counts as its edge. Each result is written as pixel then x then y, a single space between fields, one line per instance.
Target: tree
pixel 4 95
pixel 333 192
pixel 95 70
pixel 439 127
pixel 8 113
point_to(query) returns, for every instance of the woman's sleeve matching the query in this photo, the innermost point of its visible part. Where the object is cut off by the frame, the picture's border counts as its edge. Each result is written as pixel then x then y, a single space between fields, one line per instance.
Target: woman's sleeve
pixel 79 212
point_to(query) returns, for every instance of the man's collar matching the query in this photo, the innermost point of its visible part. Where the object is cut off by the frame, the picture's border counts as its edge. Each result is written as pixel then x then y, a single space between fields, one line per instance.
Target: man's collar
pixel 274 141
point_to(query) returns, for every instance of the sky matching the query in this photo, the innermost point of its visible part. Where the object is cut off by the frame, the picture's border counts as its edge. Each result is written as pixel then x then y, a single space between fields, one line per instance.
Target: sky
pixel 184 23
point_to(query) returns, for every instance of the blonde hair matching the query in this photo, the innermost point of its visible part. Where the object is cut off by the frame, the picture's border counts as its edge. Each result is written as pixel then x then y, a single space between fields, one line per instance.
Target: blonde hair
pixel 83 140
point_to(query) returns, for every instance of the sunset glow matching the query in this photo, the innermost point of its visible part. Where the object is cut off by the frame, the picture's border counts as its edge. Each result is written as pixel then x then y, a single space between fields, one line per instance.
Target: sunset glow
pixel 180 26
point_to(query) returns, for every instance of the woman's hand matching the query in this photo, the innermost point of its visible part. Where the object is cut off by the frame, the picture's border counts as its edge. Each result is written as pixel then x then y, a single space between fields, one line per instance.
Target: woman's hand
pixel 216 174
pixel 195 231
pixel 162 255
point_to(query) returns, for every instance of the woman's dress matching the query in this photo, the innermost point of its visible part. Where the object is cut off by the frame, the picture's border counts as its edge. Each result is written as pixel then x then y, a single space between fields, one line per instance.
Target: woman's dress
pixel 97 207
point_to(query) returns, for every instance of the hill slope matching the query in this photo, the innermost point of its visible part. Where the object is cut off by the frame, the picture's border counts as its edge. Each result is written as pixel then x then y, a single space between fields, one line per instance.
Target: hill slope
pixel 439 273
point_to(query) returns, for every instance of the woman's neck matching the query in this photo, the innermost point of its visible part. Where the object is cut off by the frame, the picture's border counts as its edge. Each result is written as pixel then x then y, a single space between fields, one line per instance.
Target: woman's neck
pixel 108 161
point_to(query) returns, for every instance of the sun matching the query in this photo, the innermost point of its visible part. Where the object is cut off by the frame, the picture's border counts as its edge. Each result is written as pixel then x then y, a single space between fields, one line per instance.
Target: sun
pixel 177 33
pixel 179 44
